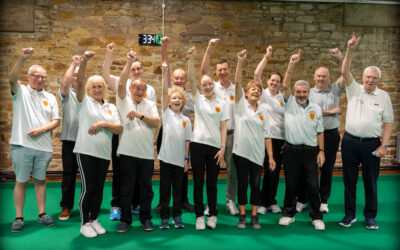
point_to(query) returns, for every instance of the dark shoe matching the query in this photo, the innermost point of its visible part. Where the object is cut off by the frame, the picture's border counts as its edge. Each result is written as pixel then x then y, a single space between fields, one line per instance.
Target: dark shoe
pixel 371 224
pixel 178 222
pixel 122 227
pixel 17 226
pixel 157 209
pixel 148 226
pixel 136 210
pixel 242 222
pixel 255 223
pixel 188 207
pixel 347 221
pixel 164 224
pixel 46 220
pixel 65 213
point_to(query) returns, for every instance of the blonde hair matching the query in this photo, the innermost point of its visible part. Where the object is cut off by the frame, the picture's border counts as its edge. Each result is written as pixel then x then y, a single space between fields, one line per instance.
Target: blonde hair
pixel 93 79
pixel 253 84
pixel 180 91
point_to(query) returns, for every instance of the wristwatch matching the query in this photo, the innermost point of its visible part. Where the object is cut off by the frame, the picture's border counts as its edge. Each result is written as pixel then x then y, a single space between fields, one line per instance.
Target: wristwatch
pixel 322 149
pixel 141 118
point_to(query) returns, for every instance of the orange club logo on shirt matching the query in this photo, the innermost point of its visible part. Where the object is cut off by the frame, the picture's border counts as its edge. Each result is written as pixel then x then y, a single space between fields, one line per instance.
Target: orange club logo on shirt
pixel 232 98
pixel 109 111
pixel 217 109
pixel 184 124
pixel 45 103
pixel 145 95
pixel 376 104
pixel 281 103
pixel 261 117
pixel 312 115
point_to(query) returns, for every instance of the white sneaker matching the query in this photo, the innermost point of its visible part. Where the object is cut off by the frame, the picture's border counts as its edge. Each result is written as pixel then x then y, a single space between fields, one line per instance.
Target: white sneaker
pixel 88 231
pixel 230 205
pixel 207 211
pixel 261 210
pixel 212 222
pixel 318 225
pixel 324 208
pixel 275 209
pixel 285 221
pixel 97 227
pixel 300 206
pixel 200 223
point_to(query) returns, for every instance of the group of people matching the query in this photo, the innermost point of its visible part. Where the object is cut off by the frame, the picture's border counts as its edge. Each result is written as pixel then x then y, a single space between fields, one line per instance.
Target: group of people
pixel 250 129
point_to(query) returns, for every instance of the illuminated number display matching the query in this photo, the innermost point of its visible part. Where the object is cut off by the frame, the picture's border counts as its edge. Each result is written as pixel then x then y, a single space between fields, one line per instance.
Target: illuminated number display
pixel 150 39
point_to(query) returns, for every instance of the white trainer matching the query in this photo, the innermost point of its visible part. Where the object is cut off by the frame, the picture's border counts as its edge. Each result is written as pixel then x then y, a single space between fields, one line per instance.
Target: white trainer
pixel 274 209
pixel 261 210
pixel 200 223
pixel 212 222
pixel 318 225
pixel 88 231
pixel 324 208
pixel 230 205
pixel 207 211
pixel 300 206
pixel 97 227
pixel 285 221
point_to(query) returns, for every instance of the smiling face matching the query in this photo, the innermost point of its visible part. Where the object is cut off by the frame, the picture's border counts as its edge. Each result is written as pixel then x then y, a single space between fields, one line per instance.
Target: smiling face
pixel 253 92
pixel 179 78
pixel 138 90
pixel 37 78
pixel 223 71
pixel 274 83
pixel 321 78
pixel 370 80
pixel 136 70
pixel 301 93
pixel 96 88
pixel 206 86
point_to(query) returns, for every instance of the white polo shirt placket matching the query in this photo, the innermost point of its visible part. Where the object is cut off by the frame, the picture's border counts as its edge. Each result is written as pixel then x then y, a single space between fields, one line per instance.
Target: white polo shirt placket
pixel 276 113
pixel 177 129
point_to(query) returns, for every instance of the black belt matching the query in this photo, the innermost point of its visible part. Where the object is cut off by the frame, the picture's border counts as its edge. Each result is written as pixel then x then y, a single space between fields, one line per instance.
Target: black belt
pixel 230 131
pixel 302 146
pixel 362 138
pixel 328 131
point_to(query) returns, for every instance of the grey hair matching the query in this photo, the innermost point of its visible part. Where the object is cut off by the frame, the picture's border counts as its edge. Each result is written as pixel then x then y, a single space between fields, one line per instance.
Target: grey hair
pixel 373 68
pixel 33 67
pixel 302 82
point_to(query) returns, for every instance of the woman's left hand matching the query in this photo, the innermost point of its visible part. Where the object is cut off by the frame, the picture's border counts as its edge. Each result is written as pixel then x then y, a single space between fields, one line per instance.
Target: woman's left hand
pixel 272 164
pixel 96 127
pixel 220 155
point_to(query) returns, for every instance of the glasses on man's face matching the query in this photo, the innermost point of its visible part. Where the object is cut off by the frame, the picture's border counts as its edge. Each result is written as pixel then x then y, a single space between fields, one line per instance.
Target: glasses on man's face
pixel 39 76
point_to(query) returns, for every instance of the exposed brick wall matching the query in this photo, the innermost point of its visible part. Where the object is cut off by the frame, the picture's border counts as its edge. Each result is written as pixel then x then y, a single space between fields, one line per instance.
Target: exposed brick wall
pixel 64 28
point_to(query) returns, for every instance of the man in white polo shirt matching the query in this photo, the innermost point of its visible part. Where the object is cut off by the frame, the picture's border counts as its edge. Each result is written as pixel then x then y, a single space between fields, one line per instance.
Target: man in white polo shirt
pixel 35 115
pixel 225 90
pixel 303 151
pixel 369 109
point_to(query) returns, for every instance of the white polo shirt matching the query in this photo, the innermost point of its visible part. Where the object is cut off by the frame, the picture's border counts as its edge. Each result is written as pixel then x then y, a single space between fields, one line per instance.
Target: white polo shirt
pixel 31 110
pixel 228 95
pixel 137 139
pixel 251 130
pixel 302 124
pixel 177 129
pixel 70 123
pixel 207 118
pixel 276 113
pixel 150 91
pixel 91 111
pixel 366 112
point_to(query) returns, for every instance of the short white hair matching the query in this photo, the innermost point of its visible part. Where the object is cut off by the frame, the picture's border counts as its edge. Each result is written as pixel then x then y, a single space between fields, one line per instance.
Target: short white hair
pixel 33 67
pixel 301 82
pixel 373 68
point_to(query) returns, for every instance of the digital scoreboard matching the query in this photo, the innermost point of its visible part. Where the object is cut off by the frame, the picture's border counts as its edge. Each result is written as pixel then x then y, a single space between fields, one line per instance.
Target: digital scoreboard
pixel 150 39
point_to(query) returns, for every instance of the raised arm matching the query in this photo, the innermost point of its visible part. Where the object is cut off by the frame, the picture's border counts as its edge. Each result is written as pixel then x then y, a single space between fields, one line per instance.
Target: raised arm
pixel 190 70
pixel 261 65
pixel 16 70
pixel 238 75
pixel 165 70
pixel 289 73
pixel 205 64
pixel 69 74
pixel 105 70
pixel 80 92
pixel 130 58
pixel 164 56
pixel 351 46
pixel 337 54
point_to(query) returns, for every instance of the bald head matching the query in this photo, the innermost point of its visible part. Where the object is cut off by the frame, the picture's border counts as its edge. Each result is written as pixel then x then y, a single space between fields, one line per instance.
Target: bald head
pixel 322 78
pixel 179 78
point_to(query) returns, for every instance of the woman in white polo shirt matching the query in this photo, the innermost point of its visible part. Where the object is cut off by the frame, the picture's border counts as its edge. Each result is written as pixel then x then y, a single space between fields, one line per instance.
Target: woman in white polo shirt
pixel 207 147
pixel 252 136
pixel 98 120
pixel 273 98
pixel 174 151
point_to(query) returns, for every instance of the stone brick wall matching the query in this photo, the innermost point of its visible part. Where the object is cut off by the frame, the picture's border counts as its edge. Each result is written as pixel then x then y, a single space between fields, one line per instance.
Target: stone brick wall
pixel 64 28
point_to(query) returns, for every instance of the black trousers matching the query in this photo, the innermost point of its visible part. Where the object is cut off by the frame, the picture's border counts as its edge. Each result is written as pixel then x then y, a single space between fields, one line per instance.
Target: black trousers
pixel 133 170
pixel 170 175
pixel 70 169
pixel 271 177
pixel 185 177
pixel 244 167
pixel 202 159
pixel 300 166
pixel 116 183
pixel 93 172
pixel 356 151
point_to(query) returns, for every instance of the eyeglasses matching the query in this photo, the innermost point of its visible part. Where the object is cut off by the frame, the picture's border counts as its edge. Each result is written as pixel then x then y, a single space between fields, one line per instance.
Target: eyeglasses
pixel 39 76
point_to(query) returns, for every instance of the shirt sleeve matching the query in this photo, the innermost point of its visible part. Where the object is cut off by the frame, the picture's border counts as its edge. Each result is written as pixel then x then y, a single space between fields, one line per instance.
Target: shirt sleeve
pixel 266 125
pixel 116 79
pixel 116 118
pixel 55 111
pixel 352 89
pixel 336 89
pixel 17 95
pixel 225 111
pixel 188 130
pixel 151 94
pixel 238 108
pixel 320 123
pixel 62 99
pixel 154 111
pixel 388 116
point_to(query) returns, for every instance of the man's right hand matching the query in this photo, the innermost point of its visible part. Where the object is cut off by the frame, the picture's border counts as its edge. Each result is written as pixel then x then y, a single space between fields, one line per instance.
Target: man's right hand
pixel 27 53
pixel 88 55
pixel 76 60
pixel 353 42
pixel 213 43
pixel 110 47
